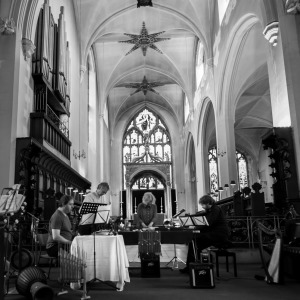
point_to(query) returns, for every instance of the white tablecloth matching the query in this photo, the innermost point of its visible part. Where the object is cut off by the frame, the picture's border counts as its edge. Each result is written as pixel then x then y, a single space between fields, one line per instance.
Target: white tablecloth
pixel 111 258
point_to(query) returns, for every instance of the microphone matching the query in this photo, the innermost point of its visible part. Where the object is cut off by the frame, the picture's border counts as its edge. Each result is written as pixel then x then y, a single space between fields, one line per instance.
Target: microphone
pixel 179 213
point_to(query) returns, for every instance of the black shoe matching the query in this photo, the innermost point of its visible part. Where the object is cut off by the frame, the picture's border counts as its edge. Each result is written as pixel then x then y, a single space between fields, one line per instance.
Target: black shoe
pixel 184 270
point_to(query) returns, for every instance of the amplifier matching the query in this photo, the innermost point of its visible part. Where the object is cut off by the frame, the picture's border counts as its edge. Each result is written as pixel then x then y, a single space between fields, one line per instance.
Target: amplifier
pixel 201 275
pixel 150 265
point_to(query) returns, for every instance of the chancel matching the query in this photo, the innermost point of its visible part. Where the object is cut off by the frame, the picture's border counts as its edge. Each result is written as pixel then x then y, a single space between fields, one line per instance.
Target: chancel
pixel 177 99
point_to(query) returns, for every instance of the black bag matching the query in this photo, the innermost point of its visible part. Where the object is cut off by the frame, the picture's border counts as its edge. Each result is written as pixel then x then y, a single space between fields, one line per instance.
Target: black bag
pixel 201 275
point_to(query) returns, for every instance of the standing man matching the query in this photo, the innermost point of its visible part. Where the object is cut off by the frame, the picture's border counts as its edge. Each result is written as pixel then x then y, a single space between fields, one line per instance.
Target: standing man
pixel 96 197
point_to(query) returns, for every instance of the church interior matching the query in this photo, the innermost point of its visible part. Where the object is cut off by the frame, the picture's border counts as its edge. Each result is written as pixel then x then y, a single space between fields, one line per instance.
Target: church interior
pixel 180 98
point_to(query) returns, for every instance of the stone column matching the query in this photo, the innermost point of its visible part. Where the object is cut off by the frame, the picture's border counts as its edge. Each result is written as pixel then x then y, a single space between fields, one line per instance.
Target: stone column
pixel 9 87
pixel 226 150
pixel 168 201
pixel 284 72
pixel 129 211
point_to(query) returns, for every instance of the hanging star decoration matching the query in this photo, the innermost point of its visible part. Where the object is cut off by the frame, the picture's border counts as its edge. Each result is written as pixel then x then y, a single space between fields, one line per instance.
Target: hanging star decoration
pixel 144 40
pixel 144 86
pixel 144 3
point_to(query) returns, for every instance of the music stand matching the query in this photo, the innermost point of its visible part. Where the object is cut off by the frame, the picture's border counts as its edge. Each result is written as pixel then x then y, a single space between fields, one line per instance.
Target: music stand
pixel 11 201
pixel 175 259
pixel 95 216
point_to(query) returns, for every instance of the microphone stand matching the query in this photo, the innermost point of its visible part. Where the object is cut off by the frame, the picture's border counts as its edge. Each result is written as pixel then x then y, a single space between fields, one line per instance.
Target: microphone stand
pixel 35 222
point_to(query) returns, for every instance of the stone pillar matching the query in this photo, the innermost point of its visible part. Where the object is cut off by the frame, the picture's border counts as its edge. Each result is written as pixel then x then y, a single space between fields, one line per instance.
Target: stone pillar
pixel 284 73
pixel 168 201
pixel 129 211
pixel 226 150
pixel 9 83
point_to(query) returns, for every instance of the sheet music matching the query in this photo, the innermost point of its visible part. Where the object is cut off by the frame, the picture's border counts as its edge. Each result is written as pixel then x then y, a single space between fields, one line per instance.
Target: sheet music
pixel 101 216
pixel 3 204
pixel 11 203
pixel 199 220
pixel 186 221
pixel 87 219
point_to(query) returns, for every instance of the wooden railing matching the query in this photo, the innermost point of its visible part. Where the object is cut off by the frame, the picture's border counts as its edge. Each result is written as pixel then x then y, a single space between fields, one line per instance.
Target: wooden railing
pixel 43 128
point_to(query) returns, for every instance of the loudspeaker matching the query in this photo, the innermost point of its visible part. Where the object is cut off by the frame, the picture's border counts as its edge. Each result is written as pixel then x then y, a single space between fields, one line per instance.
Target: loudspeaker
pixel 201 275
pixel 150 265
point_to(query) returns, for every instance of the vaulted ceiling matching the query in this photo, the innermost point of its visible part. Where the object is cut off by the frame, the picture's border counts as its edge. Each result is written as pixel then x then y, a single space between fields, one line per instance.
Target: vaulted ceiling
pixel 146 53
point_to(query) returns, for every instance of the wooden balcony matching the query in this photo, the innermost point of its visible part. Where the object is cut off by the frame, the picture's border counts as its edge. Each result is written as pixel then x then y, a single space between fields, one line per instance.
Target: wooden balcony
pixel 45 127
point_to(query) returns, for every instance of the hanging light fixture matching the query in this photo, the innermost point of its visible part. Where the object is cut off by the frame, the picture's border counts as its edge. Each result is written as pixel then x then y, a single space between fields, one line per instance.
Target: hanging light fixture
pixel 220 153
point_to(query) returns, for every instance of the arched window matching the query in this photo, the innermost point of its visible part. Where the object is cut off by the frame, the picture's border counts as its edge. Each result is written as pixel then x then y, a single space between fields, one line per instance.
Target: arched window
pixel 222 7
pixel 200 59
pixel 147 182
pixel 147 141
pixel 213 170
pixel 186 108
pixel 242 168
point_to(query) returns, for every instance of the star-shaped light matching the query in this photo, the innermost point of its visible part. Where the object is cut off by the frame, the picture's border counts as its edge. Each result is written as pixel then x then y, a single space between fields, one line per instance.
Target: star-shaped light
pixel 144 40
pixel 144 3
pixel 144 86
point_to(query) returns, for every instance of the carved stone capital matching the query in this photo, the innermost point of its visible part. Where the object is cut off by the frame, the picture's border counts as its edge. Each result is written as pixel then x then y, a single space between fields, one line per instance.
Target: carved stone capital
pixel 82 72
pixel 292 6
pixel 210 62
pixel 7 26
pixel 271 33
pixel 28 48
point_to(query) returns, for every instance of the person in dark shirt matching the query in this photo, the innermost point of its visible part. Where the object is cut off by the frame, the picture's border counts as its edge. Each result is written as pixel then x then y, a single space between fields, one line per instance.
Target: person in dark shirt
pixel 60 229
pixel 147 211
pixel 215 234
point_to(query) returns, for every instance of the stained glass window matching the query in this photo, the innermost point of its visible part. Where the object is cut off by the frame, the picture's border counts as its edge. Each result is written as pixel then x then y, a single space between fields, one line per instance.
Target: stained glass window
pixel 147 182
pixel 147 140
pixel 242 169
pixel 213 170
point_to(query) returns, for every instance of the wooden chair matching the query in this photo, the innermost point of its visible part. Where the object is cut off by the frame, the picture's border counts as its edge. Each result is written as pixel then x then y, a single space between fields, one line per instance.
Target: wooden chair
pixel 221 250
pixel 42 242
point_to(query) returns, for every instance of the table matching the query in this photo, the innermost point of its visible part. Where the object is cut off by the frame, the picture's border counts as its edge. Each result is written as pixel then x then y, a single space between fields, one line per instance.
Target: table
pixel 167 236
pixel 111 258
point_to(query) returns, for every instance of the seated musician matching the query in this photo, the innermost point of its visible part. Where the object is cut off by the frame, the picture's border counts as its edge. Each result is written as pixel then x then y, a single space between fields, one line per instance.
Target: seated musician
pixel 215 234
pixel 60 231
pixel 147 211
